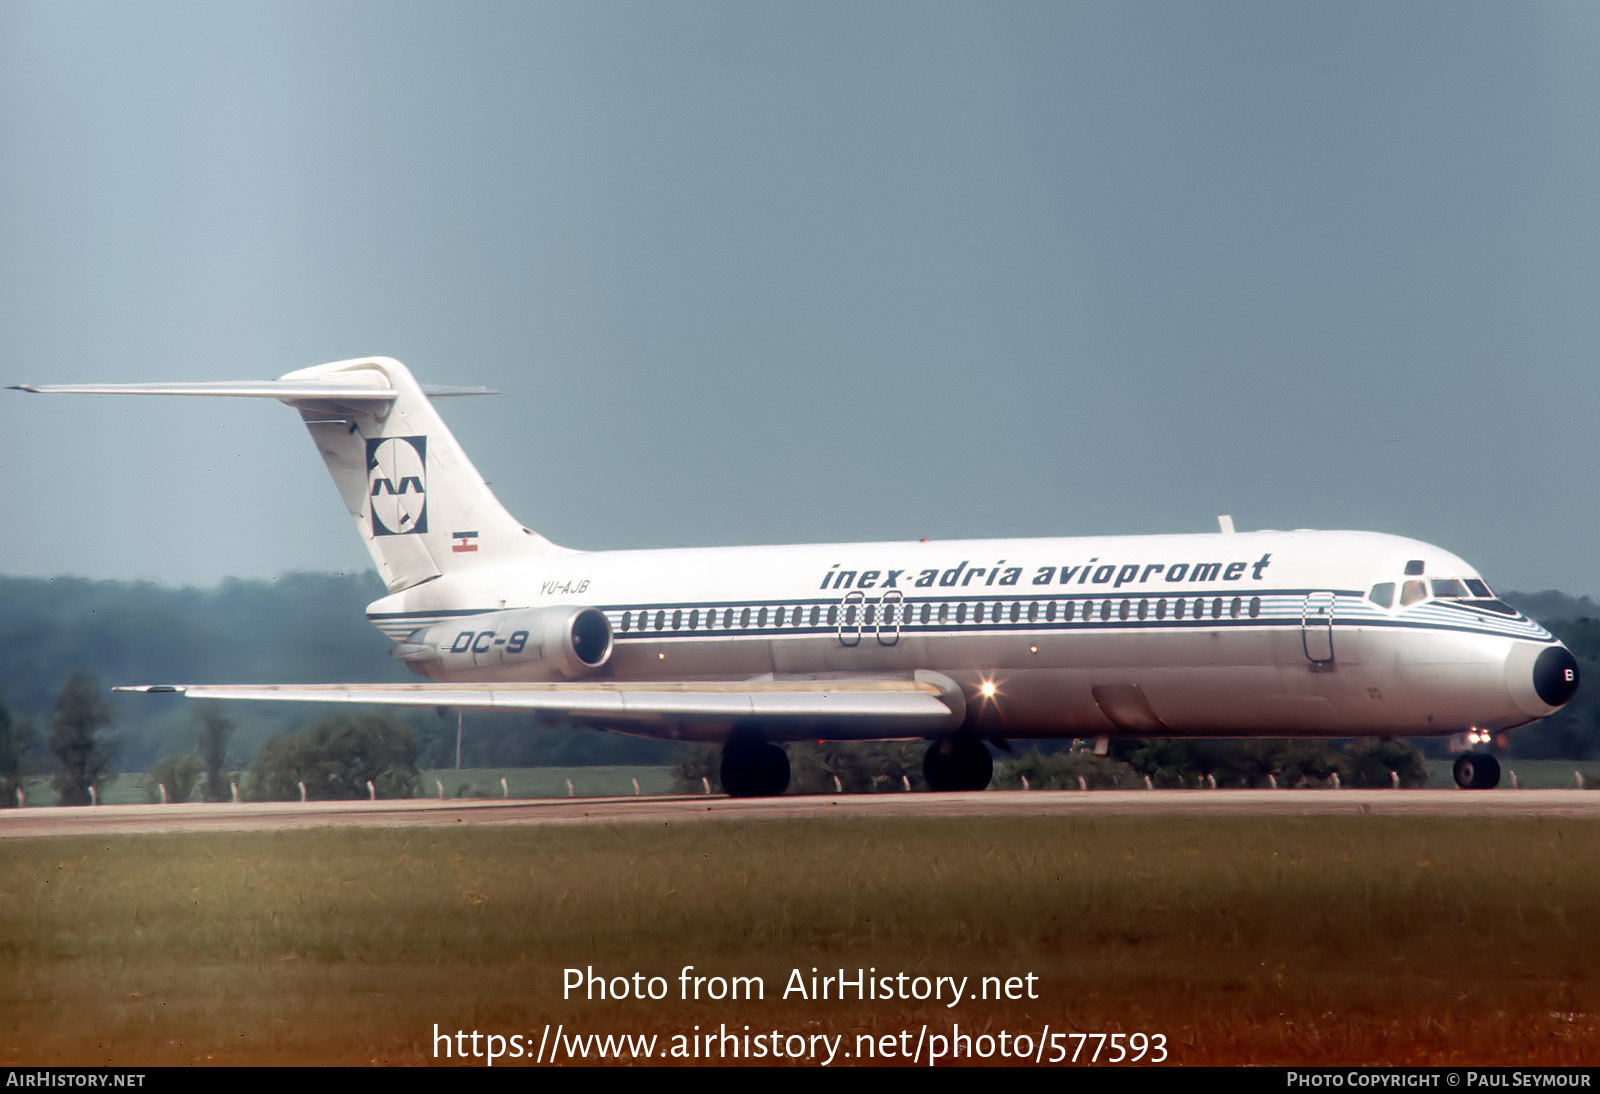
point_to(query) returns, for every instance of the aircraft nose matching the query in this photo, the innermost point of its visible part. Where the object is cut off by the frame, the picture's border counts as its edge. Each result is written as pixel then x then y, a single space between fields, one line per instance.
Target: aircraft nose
pixel 1555 675
pixel 1541 679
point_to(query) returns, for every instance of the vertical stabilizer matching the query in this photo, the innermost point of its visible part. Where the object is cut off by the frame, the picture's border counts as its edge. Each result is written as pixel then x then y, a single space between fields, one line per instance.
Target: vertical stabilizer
pixel 420 506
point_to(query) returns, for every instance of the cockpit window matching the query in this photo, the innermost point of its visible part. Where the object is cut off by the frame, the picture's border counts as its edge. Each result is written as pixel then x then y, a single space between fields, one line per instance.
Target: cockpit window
pixel 1382 595
pixel 1413 592
pixel 1470 593
pixel 1414 567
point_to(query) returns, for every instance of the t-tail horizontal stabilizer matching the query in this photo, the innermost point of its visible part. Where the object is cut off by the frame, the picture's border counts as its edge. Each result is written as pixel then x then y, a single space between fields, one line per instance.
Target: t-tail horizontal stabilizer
pixel 409 487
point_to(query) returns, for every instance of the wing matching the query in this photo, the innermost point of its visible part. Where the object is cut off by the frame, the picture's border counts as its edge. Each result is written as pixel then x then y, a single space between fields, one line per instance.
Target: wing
pixel 925 702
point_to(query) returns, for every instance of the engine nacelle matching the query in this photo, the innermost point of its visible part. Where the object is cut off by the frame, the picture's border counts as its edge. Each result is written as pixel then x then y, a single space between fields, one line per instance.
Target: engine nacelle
pixel 567 641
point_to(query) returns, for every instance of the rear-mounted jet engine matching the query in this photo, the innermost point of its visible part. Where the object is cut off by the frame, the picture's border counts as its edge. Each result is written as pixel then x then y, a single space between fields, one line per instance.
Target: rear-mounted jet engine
pixel 569 641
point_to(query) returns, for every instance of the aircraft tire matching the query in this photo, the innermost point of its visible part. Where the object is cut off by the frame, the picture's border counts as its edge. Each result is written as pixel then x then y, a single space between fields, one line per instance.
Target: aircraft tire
pixel 961 762
pixel 1477 771
pixel 754 769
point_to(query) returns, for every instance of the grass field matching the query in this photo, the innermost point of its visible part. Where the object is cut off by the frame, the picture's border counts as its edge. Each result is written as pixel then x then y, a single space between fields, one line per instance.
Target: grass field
pixel 1319 941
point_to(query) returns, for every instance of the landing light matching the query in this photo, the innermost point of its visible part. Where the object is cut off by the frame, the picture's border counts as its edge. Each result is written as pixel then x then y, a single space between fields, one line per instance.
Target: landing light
pixel 987 689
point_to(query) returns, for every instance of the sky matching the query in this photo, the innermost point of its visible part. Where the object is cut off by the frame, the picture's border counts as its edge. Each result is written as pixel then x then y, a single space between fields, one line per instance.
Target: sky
pixel 810 272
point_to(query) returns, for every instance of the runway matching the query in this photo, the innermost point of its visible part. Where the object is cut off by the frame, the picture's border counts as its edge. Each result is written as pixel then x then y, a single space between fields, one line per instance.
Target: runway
pixel 271 816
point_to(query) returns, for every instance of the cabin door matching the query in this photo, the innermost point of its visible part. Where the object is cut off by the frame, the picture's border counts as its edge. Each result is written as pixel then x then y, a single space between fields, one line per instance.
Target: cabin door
pixel 1316 628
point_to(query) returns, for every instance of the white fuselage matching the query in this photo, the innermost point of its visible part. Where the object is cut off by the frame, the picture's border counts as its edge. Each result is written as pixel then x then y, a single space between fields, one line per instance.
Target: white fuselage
pixel 1249 634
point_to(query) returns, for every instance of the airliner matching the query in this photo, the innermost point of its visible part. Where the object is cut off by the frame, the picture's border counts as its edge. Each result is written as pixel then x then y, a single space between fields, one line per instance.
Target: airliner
pixel 962 643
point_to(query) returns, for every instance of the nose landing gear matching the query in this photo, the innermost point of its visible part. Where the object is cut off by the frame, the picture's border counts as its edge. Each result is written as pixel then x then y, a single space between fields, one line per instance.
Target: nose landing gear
pixel 1477 771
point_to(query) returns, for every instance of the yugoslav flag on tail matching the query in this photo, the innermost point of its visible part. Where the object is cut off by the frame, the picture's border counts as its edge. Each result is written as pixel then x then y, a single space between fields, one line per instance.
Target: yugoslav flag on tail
pixel 421 507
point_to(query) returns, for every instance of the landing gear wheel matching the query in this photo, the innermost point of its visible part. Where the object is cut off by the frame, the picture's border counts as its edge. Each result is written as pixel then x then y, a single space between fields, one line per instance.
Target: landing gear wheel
pixel 1477 771
pixel 958 763
pixel 754 769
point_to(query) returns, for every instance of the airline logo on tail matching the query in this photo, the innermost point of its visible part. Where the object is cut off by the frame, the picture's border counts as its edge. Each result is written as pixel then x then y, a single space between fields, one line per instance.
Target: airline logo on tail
pixel 397 485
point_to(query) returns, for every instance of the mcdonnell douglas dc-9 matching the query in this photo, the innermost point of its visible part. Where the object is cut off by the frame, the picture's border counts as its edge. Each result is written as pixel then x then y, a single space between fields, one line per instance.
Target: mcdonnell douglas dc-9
pixel 1247 634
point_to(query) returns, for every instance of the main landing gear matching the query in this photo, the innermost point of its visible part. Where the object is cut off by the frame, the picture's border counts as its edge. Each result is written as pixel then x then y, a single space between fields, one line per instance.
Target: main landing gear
pixel 961 762
pixel 753 767
pixel 1477 771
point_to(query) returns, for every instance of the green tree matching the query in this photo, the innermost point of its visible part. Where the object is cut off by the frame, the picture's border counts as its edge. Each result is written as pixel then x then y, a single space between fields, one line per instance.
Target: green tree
pixel 82 713
pixel 1370 761
pixel 696 762
pixel 1061 771
pixel 14 740
pixel 859 766
pixel 336 758
pixel 1167 763
pixel 179 774
pixel 215 730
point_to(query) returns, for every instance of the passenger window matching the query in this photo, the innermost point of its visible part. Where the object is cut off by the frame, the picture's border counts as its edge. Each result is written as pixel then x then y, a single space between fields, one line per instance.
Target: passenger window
pixel 1122 610
pixel 977 614
pixel 833 615
pixel 1216 608
pixel 1412 592
pixel 815 611
pixel 694 619
pixel 1255 606
pixel 677 619
pixel 927 611
pixel 661 620
pixel 1382 594
pixel 961 612
pixel 1105 610
pixel 1144 608
pixel 1177 609
pixel 1161 608
pixel 744 618
pixel 1068 610
pixel 625 618
pixel 944 613
pixel 777 620
pixel 1016 610
pixel 1233 609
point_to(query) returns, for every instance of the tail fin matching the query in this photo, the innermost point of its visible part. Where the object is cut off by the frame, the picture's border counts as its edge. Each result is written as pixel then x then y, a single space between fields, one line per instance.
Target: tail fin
pixel 421 507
